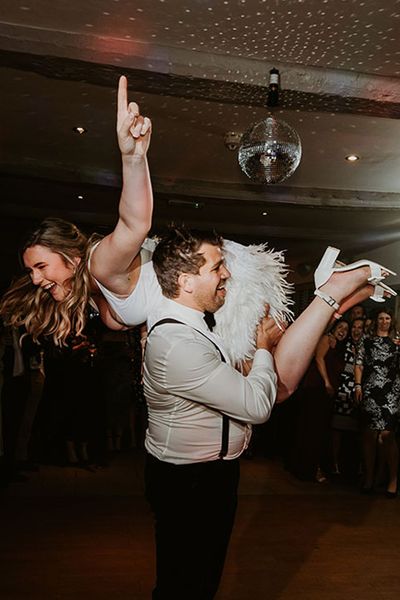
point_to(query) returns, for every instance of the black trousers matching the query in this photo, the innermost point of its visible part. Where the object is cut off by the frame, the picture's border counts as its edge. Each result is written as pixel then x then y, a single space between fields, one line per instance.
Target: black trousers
pixel 194 508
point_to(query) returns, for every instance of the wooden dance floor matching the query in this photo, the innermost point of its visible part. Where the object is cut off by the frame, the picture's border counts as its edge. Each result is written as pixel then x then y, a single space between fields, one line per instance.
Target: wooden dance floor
pixel 72 534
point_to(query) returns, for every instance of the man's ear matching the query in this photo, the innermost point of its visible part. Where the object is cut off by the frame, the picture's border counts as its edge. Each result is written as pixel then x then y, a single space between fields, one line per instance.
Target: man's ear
pixel 185 281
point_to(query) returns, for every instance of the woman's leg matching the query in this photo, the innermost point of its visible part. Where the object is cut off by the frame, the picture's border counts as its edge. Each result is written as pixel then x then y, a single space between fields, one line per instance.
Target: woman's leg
pixel 370 438
pixel 391 454
pixel 297 345
pixel 336 445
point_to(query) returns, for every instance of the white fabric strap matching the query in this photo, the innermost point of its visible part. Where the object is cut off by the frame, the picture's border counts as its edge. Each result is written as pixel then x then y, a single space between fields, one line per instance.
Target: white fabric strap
pixel 328 299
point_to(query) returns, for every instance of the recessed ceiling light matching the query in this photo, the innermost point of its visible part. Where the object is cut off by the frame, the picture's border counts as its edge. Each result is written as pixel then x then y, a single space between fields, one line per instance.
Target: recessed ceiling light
pixel 188 203
pixel 352 157
pixel 264 214
pixel 80 197
pixel 79 129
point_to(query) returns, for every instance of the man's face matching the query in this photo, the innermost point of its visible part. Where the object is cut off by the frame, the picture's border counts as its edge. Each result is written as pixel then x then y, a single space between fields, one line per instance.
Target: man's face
pixel 357 312
pixel 357 329
pixel 209 285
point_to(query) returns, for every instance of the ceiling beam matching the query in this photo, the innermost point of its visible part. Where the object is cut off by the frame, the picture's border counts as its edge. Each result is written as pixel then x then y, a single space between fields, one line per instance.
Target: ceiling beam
pixel 194 88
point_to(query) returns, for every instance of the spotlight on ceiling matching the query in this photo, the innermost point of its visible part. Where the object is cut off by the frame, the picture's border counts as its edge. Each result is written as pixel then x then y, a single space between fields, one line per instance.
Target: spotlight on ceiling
pixel 232 140
pixel 80 130
pixel 352 157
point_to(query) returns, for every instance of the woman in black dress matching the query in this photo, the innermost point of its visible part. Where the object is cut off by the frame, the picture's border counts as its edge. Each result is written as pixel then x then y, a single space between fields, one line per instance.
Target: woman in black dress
pixel 377 390
pixel 345 422
pixel 310 452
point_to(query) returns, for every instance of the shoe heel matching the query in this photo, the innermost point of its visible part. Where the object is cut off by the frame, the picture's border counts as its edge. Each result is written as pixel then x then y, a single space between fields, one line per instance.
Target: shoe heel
pixel 325 267
pixel 380 289
pixel 387 289
pixel 378 294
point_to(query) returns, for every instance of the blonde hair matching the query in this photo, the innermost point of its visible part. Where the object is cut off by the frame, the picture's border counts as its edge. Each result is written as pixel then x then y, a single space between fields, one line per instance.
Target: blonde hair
pixel 31 306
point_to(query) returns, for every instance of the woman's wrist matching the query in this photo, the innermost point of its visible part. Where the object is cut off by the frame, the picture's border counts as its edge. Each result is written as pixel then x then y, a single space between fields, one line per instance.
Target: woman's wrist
pixel 133 159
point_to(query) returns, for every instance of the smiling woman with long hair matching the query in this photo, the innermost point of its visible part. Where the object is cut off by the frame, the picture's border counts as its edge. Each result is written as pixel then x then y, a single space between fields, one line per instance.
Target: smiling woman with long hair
pixel 55 255
pixel 51 299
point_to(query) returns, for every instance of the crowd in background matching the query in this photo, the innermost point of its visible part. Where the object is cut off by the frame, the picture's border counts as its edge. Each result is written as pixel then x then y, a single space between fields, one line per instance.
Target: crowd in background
pixel 342 422
pixel 78 404
pixel 72 405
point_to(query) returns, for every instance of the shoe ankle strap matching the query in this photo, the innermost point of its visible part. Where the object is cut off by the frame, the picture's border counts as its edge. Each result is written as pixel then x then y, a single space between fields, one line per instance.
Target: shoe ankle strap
pixel 328 299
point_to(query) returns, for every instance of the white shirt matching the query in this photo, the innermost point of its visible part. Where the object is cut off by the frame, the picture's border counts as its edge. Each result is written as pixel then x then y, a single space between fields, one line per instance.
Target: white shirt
pixel 185 378
pixel 142 301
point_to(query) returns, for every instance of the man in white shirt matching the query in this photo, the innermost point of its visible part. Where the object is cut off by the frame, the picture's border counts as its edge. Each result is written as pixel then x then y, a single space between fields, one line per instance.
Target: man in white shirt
pixel 200 409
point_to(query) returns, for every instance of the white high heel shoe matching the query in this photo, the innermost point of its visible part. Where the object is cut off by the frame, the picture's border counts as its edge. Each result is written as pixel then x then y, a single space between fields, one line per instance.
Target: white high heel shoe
pixel 329 265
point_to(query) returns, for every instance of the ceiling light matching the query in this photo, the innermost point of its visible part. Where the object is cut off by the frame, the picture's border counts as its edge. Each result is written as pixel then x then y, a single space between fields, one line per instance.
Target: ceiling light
pixel 188 203
pixel 80 197
pixel 264 214
pixel 79 129
pixel 352 157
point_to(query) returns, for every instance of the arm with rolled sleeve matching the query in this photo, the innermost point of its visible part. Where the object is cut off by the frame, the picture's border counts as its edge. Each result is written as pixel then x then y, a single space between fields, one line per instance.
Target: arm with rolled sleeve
pixel 194 371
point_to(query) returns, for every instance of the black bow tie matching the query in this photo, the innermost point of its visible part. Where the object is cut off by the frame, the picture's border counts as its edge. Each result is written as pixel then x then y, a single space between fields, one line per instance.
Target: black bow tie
pixel 209 319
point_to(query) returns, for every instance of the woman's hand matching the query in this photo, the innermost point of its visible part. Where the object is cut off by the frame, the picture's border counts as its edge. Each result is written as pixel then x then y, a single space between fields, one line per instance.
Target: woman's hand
pixel 357 394
pixel 329 389
pixel 133 130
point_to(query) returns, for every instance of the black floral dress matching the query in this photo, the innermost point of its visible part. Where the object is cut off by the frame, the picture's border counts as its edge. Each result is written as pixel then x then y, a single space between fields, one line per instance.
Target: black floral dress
pixel 345 417
pixel 380 403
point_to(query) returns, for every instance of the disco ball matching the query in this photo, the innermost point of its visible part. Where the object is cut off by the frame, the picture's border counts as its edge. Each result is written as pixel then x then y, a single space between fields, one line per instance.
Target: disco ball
pixel 270 151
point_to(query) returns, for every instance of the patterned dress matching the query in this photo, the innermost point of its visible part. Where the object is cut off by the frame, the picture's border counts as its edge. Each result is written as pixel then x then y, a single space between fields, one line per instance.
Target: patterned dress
pixel 344 417
pixel 380 403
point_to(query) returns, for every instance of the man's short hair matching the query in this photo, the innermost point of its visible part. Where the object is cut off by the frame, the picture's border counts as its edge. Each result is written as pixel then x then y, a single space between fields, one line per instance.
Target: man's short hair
pixel 178 252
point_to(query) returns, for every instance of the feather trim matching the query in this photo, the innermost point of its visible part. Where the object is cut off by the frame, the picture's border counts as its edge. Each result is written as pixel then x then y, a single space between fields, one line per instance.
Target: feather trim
pixel 258 277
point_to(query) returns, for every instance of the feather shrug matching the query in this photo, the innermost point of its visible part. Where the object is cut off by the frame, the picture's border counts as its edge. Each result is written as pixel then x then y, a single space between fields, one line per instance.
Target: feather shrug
pixel 258 277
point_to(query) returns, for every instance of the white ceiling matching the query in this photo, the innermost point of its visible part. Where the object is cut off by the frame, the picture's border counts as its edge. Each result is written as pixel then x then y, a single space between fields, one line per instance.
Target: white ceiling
pixel 199 69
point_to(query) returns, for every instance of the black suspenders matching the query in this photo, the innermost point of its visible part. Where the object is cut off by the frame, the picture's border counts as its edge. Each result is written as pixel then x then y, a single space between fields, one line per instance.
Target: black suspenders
pixel 225 419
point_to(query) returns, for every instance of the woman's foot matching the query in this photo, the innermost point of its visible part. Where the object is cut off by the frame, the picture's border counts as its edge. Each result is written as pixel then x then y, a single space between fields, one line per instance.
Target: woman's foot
pixel 329 265
pixel 349 288
pixel 391 490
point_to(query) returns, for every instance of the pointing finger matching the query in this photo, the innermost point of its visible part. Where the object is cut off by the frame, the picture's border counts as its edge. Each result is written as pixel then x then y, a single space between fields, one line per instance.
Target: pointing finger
pixel 122 98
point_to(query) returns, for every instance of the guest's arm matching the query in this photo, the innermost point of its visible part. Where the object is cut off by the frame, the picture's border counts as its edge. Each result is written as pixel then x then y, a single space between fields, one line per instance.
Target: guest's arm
pixel 115 261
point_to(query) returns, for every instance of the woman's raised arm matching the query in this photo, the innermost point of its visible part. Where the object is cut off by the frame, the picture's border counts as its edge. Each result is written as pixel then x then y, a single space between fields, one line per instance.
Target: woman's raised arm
pixel 115 259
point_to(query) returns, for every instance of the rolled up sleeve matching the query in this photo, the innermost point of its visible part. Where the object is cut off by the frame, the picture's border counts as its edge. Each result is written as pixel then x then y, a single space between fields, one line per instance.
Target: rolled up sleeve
pixel 194 371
